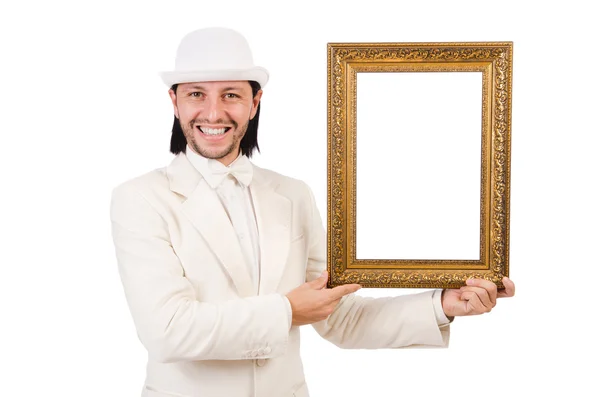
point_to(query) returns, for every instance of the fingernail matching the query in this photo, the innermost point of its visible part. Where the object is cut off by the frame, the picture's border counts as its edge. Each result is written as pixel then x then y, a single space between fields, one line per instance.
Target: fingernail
pixel 470 281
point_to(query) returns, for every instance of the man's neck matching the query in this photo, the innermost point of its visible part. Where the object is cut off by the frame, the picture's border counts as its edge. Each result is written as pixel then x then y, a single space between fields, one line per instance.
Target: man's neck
pixel 227 160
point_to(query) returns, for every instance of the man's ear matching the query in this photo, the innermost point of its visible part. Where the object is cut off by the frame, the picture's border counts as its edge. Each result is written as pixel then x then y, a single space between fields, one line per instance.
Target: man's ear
pixel 255 103
pixel 173 96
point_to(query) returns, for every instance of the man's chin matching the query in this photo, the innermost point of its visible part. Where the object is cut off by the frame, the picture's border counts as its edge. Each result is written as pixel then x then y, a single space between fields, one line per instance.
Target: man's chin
pixel 212 154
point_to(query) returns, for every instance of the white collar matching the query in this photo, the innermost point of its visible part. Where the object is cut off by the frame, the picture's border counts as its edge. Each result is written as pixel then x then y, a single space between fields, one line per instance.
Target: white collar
pixel 213 171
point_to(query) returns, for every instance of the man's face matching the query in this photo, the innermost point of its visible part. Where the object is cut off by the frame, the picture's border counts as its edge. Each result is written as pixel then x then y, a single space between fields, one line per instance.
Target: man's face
pixel 214 116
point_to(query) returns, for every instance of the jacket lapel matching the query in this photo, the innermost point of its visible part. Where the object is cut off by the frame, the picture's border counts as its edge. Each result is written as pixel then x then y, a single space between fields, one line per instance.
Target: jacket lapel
pixel 273 217
pixel 205 211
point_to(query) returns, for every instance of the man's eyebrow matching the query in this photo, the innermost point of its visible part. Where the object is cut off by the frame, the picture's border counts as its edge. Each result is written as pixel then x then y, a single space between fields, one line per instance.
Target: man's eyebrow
pixel 193 87
pixel 232 88
pixel 201 87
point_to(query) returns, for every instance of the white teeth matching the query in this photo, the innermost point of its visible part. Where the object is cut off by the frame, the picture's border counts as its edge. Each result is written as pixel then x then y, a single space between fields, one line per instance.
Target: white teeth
pixel 213 131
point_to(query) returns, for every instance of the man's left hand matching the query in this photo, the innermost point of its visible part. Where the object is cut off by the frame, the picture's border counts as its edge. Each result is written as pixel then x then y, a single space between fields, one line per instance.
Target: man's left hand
pixel 477 297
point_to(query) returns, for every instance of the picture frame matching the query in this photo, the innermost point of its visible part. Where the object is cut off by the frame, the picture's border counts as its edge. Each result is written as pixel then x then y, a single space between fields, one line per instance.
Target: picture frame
pixel 382 110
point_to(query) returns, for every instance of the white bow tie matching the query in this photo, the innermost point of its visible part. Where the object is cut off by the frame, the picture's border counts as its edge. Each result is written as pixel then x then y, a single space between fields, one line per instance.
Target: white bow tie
pixel 240 169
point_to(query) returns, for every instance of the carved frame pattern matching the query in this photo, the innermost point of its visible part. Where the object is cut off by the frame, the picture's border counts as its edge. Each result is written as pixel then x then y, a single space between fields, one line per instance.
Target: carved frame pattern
pixel 494 60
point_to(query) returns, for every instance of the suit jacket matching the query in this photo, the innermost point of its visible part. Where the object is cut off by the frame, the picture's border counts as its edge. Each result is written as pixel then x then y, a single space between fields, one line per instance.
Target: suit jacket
pixel 207 332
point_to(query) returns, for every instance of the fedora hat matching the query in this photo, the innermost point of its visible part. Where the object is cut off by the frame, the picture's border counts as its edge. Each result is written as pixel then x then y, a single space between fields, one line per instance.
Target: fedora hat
pixel 214 54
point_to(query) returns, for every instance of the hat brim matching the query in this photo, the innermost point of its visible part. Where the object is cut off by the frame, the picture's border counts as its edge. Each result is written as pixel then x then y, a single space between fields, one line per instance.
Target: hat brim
pixel 256 73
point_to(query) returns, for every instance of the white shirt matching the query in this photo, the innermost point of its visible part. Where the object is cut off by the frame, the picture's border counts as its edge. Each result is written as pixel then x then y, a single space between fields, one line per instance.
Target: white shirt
pixel 237 201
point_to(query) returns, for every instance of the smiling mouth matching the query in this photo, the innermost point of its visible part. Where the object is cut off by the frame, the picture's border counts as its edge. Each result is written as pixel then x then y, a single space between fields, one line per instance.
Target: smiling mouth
pixel 213 131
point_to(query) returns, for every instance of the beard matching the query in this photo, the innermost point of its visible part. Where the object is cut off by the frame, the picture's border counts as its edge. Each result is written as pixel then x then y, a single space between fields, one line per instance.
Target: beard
pixel 237 133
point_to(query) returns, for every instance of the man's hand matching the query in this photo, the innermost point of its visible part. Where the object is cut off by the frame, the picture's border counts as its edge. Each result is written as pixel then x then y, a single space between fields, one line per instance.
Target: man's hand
pixel 312 302
pixel 477 297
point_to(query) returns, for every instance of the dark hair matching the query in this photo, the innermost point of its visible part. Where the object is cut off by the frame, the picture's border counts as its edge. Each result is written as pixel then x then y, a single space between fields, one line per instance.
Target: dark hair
pixel 249 141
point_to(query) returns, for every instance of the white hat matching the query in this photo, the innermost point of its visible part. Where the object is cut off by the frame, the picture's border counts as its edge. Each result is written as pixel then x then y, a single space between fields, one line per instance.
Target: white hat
pixel 214 54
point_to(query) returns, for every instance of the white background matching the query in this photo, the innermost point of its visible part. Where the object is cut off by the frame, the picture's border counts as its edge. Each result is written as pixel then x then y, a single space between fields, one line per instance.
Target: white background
pixel 82 109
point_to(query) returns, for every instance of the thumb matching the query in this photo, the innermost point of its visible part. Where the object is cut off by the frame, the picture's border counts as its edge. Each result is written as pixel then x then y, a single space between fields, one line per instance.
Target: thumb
pixel 320 282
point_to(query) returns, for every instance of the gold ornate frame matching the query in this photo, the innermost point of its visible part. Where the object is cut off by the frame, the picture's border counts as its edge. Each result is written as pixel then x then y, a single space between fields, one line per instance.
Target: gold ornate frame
pixel 494 60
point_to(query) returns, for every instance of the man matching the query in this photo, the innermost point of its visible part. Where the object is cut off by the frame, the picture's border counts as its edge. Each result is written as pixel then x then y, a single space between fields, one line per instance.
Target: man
pixel 222 261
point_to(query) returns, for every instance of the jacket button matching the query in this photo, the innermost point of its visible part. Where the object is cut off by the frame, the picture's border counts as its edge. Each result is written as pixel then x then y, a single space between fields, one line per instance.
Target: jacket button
pixel 261 362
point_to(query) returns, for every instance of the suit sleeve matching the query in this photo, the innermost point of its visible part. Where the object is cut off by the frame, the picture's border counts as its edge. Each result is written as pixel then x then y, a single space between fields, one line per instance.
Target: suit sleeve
pixel 170 321
pixel 373 323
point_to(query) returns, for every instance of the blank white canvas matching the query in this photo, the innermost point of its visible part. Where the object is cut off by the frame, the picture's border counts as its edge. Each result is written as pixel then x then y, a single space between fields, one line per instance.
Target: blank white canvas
pixel 418 160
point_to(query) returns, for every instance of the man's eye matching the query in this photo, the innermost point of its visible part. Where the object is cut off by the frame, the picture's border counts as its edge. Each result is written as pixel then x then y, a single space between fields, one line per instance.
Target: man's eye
pixel 230 96
pixel 196 94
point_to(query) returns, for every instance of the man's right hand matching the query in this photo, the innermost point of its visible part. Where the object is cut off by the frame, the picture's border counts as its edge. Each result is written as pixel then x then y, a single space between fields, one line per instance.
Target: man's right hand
pixel 312 302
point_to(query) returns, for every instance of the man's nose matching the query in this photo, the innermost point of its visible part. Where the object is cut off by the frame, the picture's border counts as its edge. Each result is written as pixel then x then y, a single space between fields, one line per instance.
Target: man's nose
pixel 214 109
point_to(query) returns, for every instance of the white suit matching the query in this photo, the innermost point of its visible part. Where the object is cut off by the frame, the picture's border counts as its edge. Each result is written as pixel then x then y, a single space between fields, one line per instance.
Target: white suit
pixel 206 330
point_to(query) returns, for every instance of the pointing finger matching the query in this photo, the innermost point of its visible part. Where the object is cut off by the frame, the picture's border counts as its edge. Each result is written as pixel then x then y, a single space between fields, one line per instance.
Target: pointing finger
pixel 342 290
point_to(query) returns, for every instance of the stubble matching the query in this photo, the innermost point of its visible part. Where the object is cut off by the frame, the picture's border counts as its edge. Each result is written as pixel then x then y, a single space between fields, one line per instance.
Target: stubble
pixel 190 129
